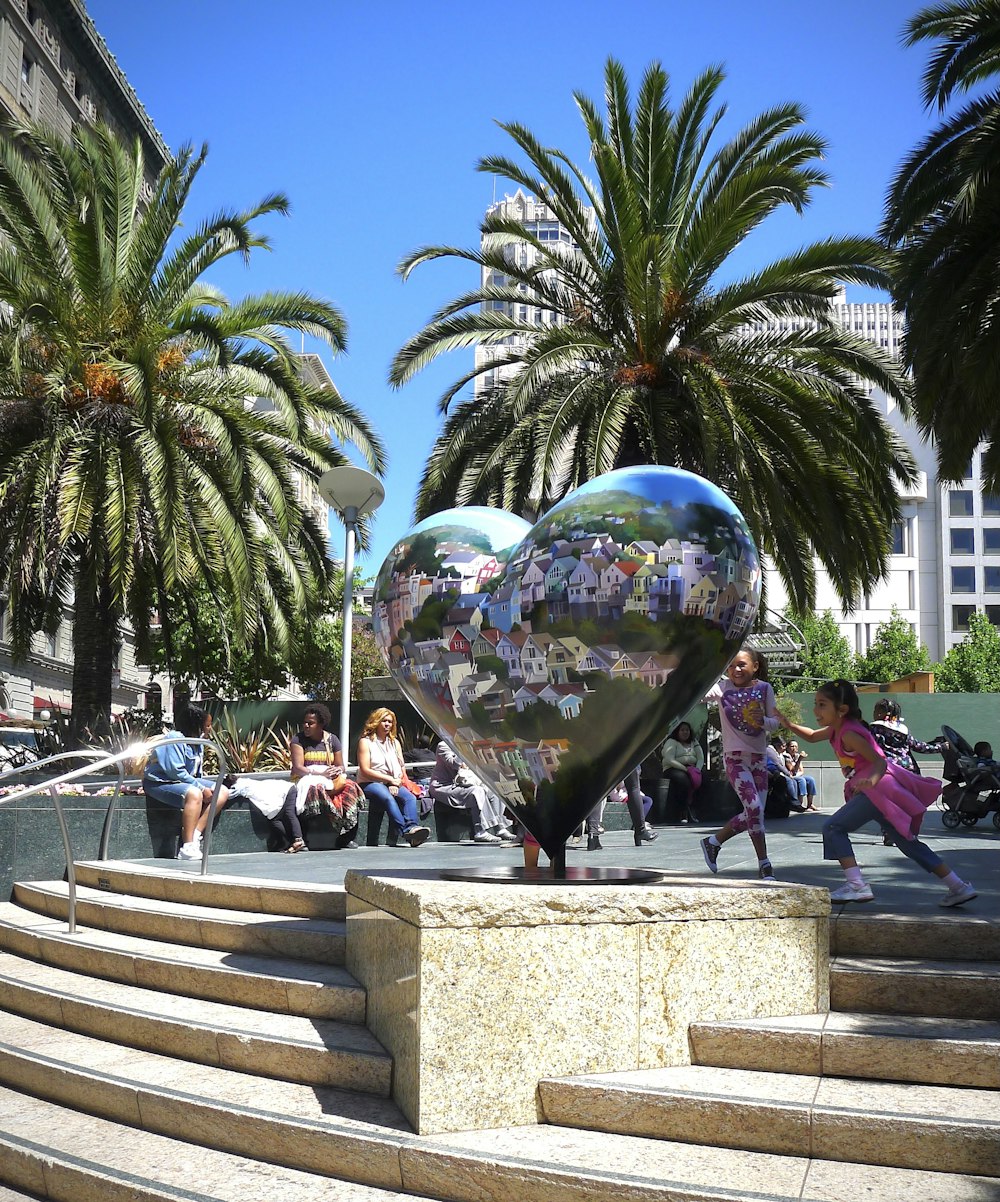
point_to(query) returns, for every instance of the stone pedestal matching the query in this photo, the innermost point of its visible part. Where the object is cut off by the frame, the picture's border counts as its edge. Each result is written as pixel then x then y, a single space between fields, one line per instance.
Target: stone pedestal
pixel 479 991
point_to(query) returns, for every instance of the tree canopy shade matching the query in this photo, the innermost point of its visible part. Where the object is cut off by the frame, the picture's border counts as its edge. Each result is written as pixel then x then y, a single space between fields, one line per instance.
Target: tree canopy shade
pixel 943 216
pixel 132 462
pixel 895 652
pixel 827 653
pixel 973 665
pixel 652 354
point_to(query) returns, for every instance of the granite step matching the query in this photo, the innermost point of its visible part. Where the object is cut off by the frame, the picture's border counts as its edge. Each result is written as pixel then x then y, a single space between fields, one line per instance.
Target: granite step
pixel 318 1128
pixel 182 882
pixel 563 1164
pixel 197 926
pixel 888 1047
pixel 66 1156
pixel 289 1047
pixel 262 982
pixel 895 1125
pixel 954 935
pixel 942 988
pixel 13 1195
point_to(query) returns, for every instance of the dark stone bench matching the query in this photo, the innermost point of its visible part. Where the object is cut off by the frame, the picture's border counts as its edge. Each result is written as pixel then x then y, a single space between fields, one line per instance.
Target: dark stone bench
pixel 452 824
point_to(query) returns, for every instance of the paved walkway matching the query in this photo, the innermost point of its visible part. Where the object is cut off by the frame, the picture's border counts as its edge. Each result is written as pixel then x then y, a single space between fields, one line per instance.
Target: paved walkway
pixel 794 845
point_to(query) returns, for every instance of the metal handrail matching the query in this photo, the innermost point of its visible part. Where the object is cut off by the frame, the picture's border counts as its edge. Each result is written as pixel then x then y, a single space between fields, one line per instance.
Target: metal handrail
pixel 52 787
pixel 105 760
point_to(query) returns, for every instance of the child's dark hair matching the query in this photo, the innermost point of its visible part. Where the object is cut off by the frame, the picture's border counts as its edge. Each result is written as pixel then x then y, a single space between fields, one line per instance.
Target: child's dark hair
pixel 892 708
pixel 842 692
pixel 984 750
pixel 758 658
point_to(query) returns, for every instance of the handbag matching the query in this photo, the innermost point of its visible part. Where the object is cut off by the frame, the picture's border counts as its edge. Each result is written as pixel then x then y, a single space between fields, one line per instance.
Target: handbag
pixel 416 789
pixel 695 775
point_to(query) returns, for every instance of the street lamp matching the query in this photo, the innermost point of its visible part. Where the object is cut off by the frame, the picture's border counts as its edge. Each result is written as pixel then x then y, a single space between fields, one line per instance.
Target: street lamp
pixel 353 493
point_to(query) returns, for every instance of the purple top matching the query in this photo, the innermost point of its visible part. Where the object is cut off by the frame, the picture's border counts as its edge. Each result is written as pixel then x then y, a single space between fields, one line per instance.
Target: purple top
pixel 748 714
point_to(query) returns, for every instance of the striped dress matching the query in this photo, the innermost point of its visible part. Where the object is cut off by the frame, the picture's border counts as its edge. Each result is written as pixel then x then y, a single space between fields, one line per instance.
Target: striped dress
pixel 316 795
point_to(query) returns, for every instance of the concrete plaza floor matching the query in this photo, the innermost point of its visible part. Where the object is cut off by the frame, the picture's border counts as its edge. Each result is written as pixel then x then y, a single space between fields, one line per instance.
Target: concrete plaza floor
pixel 794 845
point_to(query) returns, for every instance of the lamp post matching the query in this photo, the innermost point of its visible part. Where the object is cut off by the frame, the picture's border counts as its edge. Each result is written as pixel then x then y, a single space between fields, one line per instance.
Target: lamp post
pixel 353 493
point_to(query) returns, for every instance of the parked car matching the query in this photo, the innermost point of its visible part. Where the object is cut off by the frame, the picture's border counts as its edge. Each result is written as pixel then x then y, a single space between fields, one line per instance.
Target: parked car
pixel 19 745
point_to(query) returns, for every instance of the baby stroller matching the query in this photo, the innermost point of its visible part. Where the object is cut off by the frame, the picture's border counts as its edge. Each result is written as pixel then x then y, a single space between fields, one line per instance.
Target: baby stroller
pixel 972 791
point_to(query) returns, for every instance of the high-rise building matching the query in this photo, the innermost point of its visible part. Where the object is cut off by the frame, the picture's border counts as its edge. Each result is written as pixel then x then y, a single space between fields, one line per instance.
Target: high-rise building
pixel 313 372
pixel 540 221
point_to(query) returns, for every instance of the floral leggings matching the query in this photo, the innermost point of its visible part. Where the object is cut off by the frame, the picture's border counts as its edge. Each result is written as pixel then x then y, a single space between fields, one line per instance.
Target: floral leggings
pixel 748 775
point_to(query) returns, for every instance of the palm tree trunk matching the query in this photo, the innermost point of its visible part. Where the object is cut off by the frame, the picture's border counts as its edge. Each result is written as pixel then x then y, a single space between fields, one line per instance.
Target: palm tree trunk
pixel 95 630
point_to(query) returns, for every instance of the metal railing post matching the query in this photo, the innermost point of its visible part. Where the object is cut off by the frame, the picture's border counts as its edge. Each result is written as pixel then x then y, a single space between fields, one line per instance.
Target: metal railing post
pixel 99 760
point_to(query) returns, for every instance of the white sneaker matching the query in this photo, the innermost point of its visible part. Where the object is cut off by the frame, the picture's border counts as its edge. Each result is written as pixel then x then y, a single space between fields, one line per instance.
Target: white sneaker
pixel 852 893
pixel 189 851
pixel 486 837
pixel 506 835
pixel 959 897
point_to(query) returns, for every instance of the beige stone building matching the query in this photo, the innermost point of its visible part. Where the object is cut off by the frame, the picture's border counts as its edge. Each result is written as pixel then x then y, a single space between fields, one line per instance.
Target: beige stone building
pixel 55 68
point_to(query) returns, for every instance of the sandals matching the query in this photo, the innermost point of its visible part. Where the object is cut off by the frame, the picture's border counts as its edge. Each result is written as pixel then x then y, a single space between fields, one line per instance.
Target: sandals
pixel 297 846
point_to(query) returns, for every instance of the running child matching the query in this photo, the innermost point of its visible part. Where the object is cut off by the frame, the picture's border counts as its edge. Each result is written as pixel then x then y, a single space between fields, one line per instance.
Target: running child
pixel 876 790
pixel 748 713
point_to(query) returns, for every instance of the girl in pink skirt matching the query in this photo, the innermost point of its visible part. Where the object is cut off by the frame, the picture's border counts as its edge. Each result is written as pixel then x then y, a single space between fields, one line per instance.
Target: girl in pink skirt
pixel 875 790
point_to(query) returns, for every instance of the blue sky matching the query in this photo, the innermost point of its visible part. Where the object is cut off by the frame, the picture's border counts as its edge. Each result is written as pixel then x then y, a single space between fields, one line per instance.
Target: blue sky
pixel 371 118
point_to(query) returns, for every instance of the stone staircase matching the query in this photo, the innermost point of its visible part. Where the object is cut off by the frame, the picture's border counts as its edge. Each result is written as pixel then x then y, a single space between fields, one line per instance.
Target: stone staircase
pixel 198 1038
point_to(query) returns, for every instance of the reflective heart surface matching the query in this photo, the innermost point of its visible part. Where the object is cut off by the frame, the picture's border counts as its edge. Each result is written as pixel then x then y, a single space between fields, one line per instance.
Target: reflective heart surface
pixel 428 606
pixel 556 666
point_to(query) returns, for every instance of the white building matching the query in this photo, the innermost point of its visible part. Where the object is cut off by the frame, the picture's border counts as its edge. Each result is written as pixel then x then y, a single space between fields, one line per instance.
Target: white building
pixel 945 561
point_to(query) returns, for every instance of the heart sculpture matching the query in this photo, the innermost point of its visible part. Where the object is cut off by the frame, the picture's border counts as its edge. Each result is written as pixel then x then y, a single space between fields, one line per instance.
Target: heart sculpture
pixel 555 666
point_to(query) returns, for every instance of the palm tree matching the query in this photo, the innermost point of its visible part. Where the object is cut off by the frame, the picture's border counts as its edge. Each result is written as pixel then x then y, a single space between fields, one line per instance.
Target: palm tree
pixel 132 463
pixel 943 215
pixel 651 355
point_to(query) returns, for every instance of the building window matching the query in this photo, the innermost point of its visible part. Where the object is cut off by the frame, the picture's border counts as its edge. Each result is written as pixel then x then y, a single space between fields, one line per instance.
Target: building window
pixel 993 613
pixel 991 539
pixel 963 580
pixel 960 615
pixel 968 471
pixel 27 66
pixel 899 539
pixel 51 646
pixel 992 580
pixel 963 540
pixel 991 505
pixel 960 503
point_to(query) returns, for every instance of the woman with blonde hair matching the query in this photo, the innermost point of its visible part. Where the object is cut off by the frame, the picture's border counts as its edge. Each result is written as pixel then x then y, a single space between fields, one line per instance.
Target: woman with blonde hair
pixel 381 774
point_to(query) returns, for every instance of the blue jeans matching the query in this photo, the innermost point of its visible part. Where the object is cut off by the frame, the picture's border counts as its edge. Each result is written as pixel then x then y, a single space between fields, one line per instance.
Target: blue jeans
pixel 402 809
pixel 805 786
pixel 856 813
